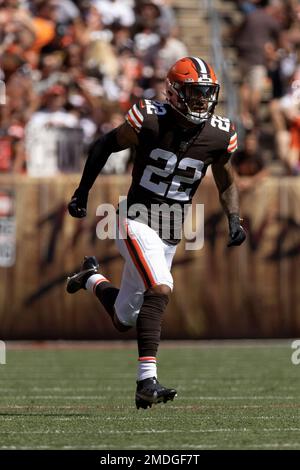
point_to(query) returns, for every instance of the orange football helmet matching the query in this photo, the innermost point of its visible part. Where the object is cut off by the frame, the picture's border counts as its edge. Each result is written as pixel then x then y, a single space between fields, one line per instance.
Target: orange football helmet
pixel 192 89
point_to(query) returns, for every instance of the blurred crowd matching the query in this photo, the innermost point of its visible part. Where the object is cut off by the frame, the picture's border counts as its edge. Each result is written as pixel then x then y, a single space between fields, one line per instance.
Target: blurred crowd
pixel 267 40
pixel 72 68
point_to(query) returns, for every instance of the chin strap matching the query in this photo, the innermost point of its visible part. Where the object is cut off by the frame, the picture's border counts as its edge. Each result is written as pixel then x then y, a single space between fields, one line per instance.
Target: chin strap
pixel 185 116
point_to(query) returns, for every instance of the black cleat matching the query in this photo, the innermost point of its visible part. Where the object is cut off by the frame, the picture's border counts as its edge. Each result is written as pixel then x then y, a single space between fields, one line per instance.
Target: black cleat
pixel 149 392
pixel 77 281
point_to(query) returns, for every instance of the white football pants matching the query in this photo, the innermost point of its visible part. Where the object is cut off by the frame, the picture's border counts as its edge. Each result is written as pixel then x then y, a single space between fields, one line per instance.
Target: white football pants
pixel 148 261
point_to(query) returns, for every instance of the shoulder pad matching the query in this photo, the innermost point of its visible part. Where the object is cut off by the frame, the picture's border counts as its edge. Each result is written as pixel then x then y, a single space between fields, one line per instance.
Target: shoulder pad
pixel 228 130
pixel 143 113
pixel 221 123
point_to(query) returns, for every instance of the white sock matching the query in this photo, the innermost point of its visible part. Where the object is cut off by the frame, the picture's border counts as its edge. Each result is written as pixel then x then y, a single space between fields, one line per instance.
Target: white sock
pixel 146 368
pixel 93 281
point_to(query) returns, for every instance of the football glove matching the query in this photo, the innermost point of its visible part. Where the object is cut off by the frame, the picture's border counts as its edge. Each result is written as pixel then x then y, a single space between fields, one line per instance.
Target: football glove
pixel 237 234
pixel 77 205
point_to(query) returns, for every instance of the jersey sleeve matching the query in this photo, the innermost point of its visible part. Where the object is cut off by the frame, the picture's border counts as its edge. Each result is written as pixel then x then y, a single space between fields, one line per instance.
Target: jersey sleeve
pixel 233 140
pixel 136 117
pixel 143 118
pixel 223 137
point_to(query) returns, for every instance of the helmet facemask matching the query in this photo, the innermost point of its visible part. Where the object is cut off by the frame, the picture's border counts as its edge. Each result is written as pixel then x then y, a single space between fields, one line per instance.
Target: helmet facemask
pixel 195 101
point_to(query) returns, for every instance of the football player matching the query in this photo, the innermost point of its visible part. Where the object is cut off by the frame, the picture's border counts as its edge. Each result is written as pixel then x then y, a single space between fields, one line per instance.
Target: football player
pixel 175 142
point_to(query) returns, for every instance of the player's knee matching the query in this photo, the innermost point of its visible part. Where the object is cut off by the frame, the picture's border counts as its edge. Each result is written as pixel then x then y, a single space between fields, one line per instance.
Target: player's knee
pixel 161 289
pixel 127 307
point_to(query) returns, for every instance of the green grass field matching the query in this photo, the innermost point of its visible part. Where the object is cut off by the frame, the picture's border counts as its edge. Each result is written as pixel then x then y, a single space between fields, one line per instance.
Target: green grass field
pixel 237 395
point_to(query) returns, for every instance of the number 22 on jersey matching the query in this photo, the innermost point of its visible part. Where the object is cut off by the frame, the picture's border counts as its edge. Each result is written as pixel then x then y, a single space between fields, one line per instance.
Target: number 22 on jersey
pixel 171 190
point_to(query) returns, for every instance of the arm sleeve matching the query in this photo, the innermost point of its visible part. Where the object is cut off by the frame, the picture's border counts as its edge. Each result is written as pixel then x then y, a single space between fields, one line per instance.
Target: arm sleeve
pixel 98 155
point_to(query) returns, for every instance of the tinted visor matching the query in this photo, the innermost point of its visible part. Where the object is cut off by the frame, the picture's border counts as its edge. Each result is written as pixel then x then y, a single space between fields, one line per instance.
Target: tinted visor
pixel 195 95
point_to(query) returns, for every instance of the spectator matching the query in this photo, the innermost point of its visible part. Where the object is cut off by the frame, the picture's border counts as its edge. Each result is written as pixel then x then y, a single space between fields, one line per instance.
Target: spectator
pixel 115 11
pixel 248 163
pixel 248 6
pixel 12 152
pixel 44 23
pixel 63 61
pixel 258 28
pixel 47 129
pixel 290 106
pixel 166 52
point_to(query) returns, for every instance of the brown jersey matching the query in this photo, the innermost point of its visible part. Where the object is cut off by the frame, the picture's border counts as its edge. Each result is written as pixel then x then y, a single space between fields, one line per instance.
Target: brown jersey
pixel 171 159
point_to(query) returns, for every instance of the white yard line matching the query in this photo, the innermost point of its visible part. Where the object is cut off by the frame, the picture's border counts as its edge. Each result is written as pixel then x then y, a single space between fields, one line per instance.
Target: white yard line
pixel 150 431
pixel 146 418
pixel 103 397
pixel 128 389
pixel 147 447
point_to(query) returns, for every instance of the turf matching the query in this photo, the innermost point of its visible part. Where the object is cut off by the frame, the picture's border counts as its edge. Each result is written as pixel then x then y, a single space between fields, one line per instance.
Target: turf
pixel 230 396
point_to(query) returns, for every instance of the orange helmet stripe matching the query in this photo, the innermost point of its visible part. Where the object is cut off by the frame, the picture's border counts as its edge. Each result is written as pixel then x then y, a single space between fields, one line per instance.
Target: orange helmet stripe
pixel 212 73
